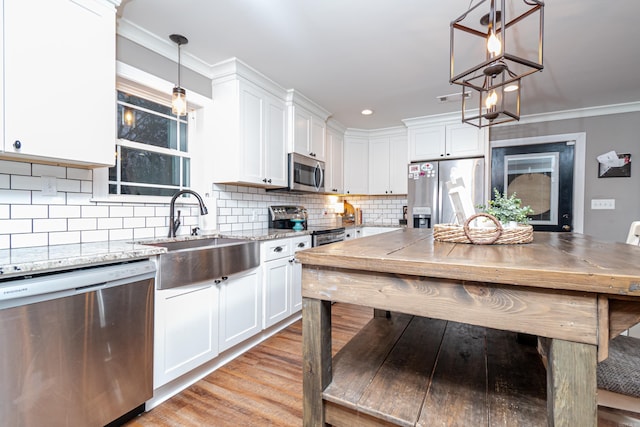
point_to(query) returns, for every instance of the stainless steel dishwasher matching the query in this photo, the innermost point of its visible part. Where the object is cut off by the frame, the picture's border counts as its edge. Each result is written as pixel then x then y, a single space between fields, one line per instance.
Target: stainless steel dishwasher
pixel 76 347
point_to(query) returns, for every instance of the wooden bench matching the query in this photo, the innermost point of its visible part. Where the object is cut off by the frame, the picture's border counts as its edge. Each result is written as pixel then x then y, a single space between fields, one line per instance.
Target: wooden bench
pixel 415 371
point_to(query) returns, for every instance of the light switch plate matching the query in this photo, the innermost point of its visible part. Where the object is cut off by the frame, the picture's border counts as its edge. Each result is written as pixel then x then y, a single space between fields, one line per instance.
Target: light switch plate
pixel 603 203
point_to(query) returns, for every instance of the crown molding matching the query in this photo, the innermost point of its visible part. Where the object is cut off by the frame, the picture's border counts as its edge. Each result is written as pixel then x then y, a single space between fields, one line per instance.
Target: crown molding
pixel 297 98
pixel 114 3
pixel 234 68
pixel 581 113
pixel 333 124
pixel 162 47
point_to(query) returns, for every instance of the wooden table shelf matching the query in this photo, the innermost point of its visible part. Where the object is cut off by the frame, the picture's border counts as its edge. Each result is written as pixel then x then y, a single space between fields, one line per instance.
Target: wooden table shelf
pixel 416 371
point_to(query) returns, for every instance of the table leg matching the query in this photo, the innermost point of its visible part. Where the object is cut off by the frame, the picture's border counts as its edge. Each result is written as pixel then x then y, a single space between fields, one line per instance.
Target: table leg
pixel 316 359
pixel 571 384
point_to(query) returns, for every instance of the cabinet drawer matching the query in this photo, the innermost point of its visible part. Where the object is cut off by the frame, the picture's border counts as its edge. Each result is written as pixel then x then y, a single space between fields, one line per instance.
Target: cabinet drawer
pixel 300 243
pixel 275 249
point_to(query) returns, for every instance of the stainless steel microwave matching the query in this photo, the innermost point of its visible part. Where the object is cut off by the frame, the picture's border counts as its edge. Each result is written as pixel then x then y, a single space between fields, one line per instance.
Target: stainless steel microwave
pixel 305 174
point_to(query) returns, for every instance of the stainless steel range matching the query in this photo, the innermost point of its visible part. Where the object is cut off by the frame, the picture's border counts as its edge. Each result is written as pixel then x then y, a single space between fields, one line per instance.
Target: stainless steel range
pixel 286 217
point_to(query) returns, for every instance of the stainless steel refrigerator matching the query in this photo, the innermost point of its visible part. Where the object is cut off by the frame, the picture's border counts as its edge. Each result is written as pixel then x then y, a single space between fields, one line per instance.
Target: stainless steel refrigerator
pixel 428 197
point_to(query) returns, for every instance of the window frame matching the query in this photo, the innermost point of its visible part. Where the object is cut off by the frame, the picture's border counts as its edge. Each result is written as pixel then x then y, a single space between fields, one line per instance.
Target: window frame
pixel 145 85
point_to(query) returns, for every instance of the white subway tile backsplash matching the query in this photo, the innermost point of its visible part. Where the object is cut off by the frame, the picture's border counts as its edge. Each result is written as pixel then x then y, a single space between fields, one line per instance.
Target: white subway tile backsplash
pixel 29 211
pixel 5 241
pixel 68 185
pixel 15 168
pixel 142 211
pixel 49 170
pixel 64 211
pixel 95 211
pixel 109 223
pixel 10 226
pixel 37 198
pixel 64 238
pixel 79 199
pixel 81 174
pixel 121 211
pixel 21 182
pixel 70 216
pixel 147 233
pixel 49 225
pixel 121 234
pixel 81 224
pixel 94 236
pixel 29 240
pixel 134 222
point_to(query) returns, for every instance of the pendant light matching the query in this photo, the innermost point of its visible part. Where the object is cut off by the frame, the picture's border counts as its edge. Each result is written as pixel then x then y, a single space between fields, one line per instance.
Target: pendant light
pixel 495 50
pixel 179 96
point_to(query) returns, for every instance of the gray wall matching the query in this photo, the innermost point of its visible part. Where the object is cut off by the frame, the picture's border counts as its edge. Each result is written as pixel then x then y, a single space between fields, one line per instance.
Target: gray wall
pixel 619 132
pixel 144 59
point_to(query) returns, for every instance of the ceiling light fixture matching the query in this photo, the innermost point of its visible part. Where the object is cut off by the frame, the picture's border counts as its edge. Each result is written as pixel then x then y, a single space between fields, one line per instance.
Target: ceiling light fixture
pixel 179 96
pixel 366 112
pixel 500 48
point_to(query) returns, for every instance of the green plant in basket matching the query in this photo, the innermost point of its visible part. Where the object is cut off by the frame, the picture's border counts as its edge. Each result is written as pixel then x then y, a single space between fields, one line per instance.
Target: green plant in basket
pixel 507 209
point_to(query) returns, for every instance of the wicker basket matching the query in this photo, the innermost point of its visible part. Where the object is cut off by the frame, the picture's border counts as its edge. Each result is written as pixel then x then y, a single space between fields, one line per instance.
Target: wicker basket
pixel 456 233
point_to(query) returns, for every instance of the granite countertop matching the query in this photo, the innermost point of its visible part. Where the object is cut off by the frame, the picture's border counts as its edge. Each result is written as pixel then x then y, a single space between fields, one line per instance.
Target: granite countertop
pixel 25 261
pixel 41 259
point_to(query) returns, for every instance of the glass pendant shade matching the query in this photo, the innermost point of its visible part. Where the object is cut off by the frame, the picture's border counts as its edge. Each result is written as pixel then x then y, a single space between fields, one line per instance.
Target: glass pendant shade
pixel 179 101
pixel 495 35
pixel 179 95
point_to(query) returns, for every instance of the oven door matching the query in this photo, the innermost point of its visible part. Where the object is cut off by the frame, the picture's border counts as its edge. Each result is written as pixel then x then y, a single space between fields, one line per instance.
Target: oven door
pixel 305 174
pixel 325 238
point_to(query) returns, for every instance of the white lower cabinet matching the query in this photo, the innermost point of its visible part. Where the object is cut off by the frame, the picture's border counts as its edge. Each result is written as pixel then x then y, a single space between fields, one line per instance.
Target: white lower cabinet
pixel 240 307
pixel 186 330
pixel 282 278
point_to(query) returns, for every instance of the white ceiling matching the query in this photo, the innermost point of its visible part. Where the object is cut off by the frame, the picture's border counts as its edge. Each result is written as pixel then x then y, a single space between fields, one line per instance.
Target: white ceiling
pixel 393 55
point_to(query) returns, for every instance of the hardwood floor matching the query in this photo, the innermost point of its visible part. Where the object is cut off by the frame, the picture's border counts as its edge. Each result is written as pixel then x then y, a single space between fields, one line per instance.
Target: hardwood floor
pixel 263 387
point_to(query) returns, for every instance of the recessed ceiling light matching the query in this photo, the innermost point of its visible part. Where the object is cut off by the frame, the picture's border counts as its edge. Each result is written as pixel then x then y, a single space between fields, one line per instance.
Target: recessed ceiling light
pixel 366 112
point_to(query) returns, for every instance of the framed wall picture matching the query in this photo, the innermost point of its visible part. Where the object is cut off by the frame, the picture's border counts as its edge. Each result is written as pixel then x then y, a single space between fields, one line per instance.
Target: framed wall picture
pixel 623 171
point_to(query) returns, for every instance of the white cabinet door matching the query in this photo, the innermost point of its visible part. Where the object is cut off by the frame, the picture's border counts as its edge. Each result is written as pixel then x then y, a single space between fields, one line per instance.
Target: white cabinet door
pixel 426 142
pixel 277 285
pixel 251 136
pixel 240 308
pixel 334 172
pixel 317 144
pixel 308 133
pixel 186 330
pixel 356 165
pixel 275 157
pixel 297 244
pixel 379 165
pixel 59 80
pixel 464 140
pixel 398 164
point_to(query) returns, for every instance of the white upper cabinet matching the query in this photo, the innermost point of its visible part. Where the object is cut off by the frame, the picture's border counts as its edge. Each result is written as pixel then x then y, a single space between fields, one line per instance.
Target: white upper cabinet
pixel 307 126
pixel 334 167
pixel 59 81
pixel 388 161
pixel 445 140
pixel 356 164
pixel 249 129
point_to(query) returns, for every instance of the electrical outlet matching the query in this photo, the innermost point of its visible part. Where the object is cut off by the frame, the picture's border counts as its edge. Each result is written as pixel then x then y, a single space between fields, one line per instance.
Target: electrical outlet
pixel 49 186
pixel 603 203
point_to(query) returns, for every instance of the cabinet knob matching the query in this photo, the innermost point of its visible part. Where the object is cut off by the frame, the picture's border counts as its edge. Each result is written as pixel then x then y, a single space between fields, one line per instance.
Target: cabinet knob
pixel 301 245
pixel 441 155
pixel 264 180
pixel 269 181
pixel 448 154
pixel 217 281
pixel 224 278
pixel 390 191
pixel 292 260
pixel 17 144
pixel 277 249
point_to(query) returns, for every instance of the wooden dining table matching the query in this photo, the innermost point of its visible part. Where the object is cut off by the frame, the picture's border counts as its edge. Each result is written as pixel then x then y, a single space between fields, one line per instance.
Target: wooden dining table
pixel 572 292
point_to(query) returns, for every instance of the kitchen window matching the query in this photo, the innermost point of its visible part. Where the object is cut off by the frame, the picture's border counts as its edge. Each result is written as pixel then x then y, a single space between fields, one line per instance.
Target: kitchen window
pixel 152 149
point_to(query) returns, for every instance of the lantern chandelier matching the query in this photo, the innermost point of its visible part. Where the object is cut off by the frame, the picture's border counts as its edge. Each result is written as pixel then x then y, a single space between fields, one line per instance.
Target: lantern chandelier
pixel 179 96
pixel 495 50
